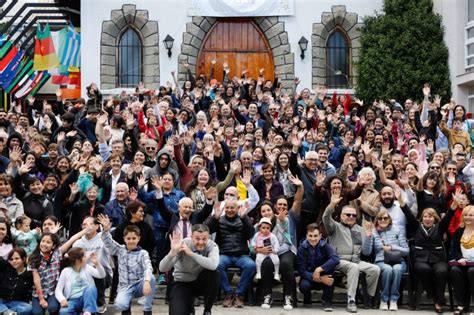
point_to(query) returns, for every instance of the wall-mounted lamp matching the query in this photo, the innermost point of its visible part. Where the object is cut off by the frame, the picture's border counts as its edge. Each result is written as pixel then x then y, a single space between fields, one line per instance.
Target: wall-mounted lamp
pixel 168 41
pixel 303 42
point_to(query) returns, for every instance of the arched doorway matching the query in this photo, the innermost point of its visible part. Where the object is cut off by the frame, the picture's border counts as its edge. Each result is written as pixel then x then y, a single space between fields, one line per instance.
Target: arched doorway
pixel 240 43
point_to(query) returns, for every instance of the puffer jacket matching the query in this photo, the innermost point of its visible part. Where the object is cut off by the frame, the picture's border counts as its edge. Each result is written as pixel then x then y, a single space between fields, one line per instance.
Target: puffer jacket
pixel 233 234
pixel 390 237
pixel 134 265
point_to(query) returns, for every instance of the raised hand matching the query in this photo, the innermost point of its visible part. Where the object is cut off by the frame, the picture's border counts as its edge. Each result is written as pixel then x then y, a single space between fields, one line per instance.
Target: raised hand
pixel 211 193
pixel 217 210
pixel 74 188
pixel 93 258
pixel 141 180
pixel 368 229
pixel 282 215
pixel 426 89
pixel 295 180
pixel 25 167
pixel 175 242
pixel 320 177
pixel 335 197
pixel 366 148
pixel 246 177
pixel 243 209
pixel 56 228
pixel 104 221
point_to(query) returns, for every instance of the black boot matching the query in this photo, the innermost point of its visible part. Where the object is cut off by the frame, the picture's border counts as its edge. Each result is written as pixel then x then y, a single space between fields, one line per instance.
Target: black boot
pixel 146 312
pixel 127 312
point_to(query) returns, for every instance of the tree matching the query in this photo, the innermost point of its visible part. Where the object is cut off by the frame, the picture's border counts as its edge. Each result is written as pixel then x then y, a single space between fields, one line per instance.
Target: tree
pixel 401 50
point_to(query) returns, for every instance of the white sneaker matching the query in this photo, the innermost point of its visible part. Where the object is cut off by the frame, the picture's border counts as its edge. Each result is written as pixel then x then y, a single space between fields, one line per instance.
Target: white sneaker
pixel 383 306
pixel 267 302
pixel 393 306
pixel 258 276
pixel 288 303
pixel 102 309
pixel 276 276
pixel 141 300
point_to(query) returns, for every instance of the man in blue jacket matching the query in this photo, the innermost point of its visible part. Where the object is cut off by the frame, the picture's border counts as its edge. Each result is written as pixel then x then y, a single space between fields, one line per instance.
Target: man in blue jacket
pixel 316 261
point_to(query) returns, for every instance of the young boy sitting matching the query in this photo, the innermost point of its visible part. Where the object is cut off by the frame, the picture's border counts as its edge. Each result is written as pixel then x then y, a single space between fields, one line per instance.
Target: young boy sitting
pixel 135 270
pixel 316 261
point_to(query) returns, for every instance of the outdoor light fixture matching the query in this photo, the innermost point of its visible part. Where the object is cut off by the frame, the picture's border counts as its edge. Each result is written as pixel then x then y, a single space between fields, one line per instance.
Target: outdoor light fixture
pixel 168 41
pixel 303 42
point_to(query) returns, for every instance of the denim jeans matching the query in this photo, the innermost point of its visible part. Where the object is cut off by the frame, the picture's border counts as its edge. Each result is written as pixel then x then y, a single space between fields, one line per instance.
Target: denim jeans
pixel 86 303
pixel 390 280
pixel 125 296
pixel 306 286
pixel 245 264
pixel 53 305
pixel 22 308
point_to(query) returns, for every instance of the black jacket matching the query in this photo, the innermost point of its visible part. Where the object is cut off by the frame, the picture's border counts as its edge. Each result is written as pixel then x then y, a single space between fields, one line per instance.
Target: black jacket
pixel 233 234
pixel 427 245
pixel 80 210
pixel 14 286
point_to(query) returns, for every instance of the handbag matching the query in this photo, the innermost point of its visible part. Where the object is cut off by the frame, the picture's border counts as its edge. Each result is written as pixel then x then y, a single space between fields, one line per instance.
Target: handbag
pixel 392 257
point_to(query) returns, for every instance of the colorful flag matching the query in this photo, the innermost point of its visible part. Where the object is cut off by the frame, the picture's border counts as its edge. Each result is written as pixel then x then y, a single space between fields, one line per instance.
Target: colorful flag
pixel 45 55
pixel 69 52
pixel 3 39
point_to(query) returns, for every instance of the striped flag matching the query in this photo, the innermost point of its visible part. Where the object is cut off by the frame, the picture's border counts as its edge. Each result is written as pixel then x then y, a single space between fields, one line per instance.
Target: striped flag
pixel 3 39
pixel 45 55
pixel 70 47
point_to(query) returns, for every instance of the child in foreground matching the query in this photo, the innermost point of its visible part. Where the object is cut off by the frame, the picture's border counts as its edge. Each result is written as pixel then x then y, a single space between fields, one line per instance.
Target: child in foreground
pixel 135 269
pixel 76 291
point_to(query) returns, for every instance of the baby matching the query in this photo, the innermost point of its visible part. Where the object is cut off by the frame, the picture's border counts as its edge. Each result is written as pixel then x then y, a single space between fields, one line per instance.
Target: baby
pixel 23 237
pixel 264 238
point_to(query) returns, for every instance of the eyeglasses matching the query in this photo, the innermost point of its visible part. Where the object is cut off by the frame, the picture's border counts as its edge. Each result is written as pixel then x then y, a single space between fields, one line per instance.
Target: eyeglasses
pixel 350 215
pixel 150 148
pixel 271 109
pixel 311 160
pixel 435 167
pixel 383 219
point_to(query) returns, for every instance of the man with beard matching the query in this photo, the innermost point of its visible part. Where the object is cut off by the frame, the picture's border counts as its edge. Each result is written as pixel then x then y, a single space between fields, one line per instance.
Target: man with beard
pixel 394 208
pixel 195 262
pixel 346 237
pixel 5 124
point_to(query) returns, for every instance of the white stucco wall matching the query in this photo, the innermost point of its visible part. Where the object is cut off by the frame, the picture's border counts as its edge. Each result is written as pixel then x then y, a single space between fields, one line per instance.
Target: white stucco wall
pixel 172 18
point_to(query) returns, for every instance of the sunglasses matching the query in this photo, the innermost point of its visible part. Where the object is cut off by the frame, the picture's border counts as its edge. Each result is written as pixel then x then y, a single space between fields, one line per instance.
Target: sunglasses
pixel 350 215
pixel 383 219
pixel 150 148
pixel 435 167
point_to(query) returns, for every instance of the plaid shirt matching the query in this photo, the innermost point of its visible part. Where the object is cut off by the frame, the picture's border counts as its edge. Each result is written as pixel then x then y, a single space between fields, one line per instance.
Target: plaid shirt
pixel 49 273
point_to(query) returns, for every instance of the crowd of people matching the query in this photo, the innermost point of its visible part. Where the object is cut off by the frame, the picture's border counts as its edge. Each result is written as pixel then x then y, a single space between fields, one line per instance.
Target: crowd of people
pixel 175 186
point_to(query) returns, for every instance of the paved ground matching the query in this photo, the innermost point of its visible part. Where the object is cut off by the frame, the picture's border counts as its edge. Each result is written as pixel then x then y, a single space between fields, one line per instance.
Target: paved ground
pixel 339 308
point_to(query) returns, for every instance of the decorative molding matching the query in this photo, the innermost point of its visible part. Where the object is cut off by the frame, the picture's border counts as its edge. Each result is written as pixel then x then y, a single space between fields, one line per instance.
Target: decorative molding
pixel 120 20
pixel 271 27
pixel 338 18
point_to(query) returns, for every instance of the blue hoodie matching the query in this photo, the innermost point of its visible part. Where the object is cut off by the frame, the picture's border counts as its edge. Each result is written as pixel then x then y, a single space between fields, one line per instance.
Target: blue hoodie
pixel 309 258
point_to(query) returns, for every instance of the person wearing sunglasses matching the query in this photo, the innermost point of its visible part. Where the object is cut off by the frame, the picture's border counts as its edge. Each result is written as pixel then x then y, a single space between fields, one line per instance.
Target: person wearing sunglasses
pixel 385 239
pixel 347 238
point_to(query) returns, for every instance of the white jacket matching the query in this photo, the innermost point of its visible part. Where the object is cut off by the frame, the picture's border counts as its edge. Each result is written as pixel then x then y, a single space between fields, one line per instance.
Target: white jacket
pixel 63 288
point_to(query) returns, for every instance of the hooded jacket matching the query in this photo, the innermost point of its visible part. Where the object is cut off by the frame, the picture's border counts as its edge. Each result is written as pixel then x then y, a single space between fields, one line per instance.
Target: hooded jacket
pixel 157 170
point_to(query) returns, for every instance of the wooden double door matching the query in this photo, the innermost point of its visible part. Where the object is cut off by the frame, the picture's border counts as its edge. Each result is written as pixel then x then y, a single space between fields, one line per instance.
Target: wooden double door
pixel 238 42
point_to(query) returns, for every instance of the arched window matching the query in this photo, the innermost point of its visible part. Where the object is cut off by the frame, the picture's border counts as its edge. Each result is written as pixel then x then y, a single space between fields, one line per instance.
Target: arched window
pixel 337 70
pixel 130 59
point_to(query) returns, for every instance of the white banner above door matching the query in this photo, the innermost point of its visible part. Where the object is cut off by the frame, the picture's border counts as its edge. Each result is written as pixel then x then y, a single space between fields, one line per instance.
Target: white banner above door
pixel 232 8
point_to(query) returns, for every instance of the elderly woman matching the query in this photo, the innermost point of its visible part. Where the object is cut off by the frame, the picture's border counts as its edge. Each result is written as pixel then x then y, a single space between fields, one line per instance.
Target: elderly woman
pixel 368 202
pixel 428 253
pixel 462 268
pixel 390 247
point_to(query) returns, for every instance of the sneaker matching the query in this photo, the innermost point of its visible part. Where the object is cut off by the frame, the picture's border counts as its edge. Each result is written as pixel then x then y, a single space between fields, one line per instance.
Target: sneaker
pixel 227 300
pixel 393 306
pixel 258 276
pixel 267 302
pixel 383 306
pixel 162 279
pixel 276 277
pixel 288 303
pixel 10 312
pixel 327 306
pixel 351 306
pixel 239 301
pixel 101 309
pixel 141 300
